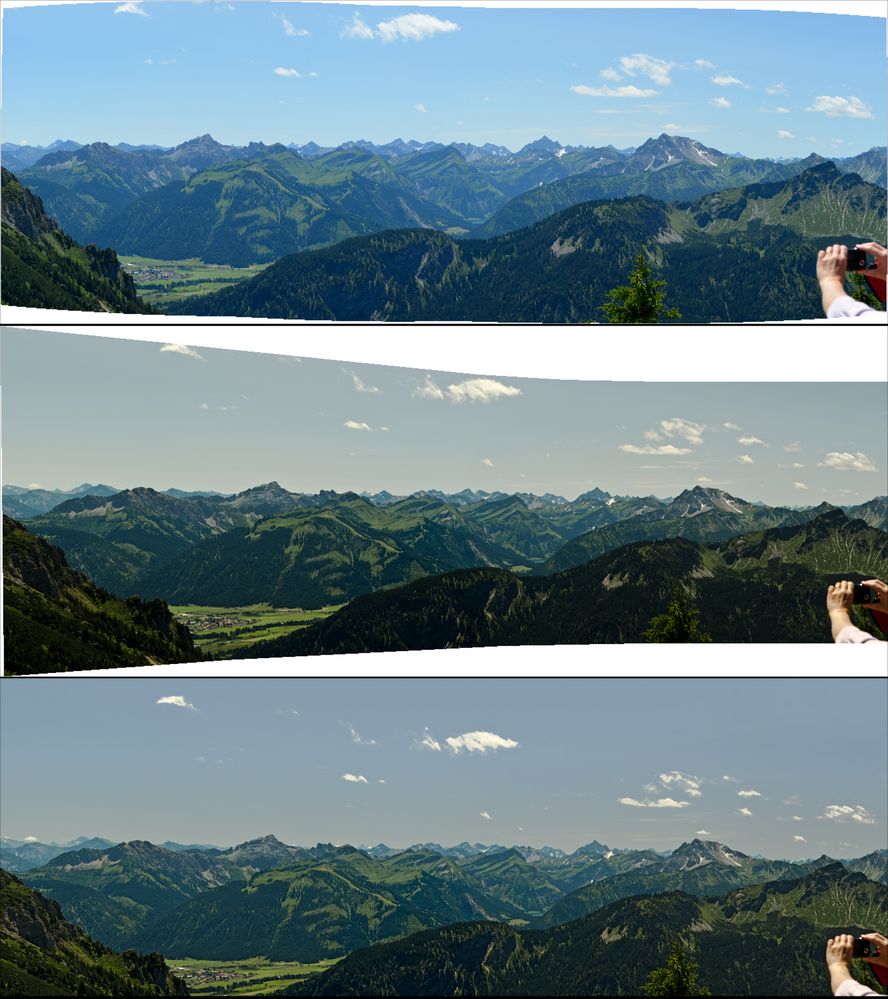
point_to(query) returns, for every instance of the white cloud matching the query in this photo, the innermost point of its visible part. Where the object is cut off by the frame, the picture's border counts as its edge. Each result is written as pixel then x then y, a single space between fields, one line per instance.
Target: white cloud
pixel 677 427
pixel 841 107
pixel 289 29
pixel 421 107
pixel 130 8
pixel 283 71
pixel 487 462
pixel 849 813
pixel 354 779
pixel 652 435
pixel 775 88
pixel 428 741
pixel 485 815
pixel 799 839
pixel 731 426
pixel 751 793
pixel 728 777
pixel 381 781
pixel 799 485
pixel 659 803
pixel 355 425
pixel 720 102
pixel 782 110
pixel 610 74
pixel 745 459
pixel 413 28
pixel 797 818
pixel 783 134
pixel 31 839
pixel 702 832
pixel 744 811
pixel 689 784
pixel 749 440
pixel 362 386
pixel 704 478
pixel 794 447
pixel 626 91
pixel 657 70
pixel 704 64
pixel 845 461
pixel 472 390
pixel 358 739
pixel 479 742
pixel 667 449
pixel 724 80
pixel 357 29
pixel 180 348
pixel 177 701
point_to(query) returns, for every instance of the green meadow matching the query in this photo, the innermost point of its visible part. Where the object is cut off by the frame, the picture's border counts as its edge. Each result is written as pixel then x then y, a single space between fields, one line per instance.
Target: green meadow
pixel 162 281
pixel 254 977
pixel 219 631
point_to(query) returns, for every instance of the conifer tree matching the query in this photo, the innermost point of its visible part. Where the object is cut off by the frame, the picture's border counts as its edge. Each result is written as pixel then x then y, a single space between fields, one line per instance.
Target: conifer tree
pixel 680 623
pixel 678 978
pixel 643 300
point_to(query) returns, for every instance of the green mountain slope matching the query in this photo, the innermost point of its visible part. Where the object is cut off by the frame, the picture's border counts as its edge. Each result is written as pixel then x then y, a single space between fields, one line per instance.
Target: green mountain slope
pixel 245 213
pixel 764 940
pixel 757 266
pixel 57 619
pixel 314 558
pixel 698 514
pixel 610 599
pixel 43 267
pixel 316 909
pixel 115 892
pixel 41 954
pixel 708 869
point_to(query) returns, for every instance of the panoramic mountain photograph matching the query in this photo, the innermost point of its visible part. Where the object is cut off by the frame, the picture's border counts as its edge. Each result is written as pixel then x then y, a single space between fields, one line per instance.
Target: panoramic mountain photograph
pixel 165 503
pixel 438 837
pixel 379 163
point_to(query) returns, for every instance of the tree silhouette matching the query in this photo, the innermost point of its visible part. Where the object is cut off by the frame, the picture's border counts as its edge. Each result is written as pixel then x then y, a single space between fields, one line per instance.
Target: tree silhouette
pixel 680 623
pixel 678 978
pixel 643 300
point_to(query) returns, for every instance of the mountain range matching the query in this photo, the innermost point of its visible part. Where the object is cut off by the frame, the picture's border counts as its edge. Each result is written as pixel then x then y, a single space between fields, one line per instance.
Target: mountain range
pixel 739 941
pixel 307 904
pixel 416 572
pixel 742 255
pixel 55 618
pixel 42 266
pixel 43 954
pixel 312 195
pixel 765 587
pixel 424 231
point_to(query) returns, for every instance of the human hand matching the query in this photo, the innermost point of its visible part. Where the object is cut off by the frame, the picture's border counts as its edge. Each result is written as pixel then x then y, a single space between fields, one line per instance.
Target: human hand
pixel 840 597
pixel 840 950
pixel 832 263
pixel 880 267
pixel 882 957
pixel 881 603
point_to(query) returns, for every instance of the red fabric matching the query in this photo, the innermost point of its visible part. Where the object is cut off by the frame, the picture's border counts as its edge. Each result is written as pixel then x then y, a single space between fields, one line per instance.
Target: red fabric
pixel 881 973
pixel 877 286
pixel 881 619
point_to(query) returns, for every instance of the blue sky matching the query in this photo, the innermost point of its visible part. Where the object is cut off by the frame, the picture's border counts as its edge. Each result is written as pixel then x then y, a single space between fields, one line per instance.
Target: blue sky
pixel 223 761
pixel 765 83
pixel 92 409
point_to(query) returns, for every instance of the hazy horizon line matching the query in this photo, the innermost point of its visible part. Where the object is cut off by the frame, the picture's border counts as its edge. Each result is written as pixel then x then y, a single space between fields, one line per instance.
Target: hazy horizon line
pixel 708 486
pixel 708 838
pixel 397 138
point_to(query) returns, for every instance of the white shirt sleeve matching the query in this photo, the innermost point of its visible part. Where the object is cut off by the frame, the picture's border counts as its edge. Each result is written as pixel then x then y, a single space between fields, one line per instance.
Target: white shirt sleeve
pixel 845 305
pixel 852 635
